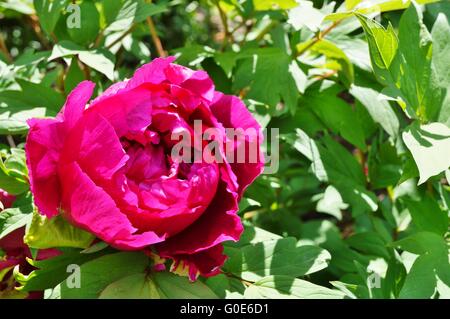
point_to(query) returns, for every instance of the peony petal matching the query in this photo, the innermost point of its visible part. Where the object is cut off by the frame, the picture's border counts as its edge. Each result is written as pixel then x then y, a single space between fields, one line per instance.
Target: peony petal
pixel 162 70
pixel 197 82
pixel 206 263
pixel 91 208
pixel 217 224
pixel 232 113
pixel 43 145
pixel 76 103
pixel 94 145
pixel 127 111
pixel 12 244
pixel 147 162
pixel 170 205
pixel 112 90
pixel 152 72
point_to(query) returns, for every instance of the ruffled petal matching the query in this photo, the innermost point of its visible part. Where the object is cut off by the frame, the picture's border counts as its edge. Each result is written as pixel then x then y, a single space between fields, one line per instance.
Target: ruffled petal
pixel 232 113
pixel 170 205
pixel 162 70
pixel 128 111
pixel 91 208
pixel 217 224
pixel 152 72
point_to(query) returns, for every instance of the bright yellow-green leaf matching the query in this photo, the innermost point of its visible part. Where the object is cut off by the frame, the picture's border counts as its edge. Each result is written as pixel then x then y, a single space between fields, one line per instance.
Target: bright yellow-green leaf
pixel 261 5
pixel 55 232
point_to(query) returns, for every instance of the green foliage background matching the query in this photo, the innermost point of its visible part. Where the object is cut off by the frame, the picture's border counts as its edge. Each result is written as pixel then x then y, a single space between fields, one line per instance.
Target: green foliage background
pixel 359 207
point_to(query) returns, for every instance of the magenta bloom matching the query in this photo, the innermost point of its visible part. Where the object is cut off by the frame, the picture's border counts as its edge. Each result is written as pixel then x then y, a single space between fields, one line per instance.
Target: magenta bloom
pixel 107 166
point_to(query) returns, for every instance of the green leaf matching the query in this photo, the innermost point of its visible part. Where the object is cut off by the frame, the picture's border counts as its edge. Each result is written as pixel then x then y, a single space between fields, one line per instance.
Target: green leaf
pixel 419 84
pixel 385 165
pixel 97 274
pixel 131 11
pixel 12 219
pixel 441 60
pixel 73 76
pixel 379 109
pixel 100 60
pixel 305 15
pixel 34 100
pixel 335 113
pixel 422 243
pixel 49 12
pixel 416 89
pixel 421 281
pixel 110 10
pixel 275 257
pixel 441 49
pixel 42 96
pixel 89 24
pixel 332 163
pixel 19 6
pixel 136 286
pixel 55 232
pixel 253 235
pixel 383 46
pixel 226 287
pixel 50 272
pixel 158 285
pixel 13 178
pixel 430 147
pixel 376 7
pixel 171 286
pixel 333 53
pixel 265 83
pixel 331 203
pixel 427 215
pixel 285 287
pixel 369 243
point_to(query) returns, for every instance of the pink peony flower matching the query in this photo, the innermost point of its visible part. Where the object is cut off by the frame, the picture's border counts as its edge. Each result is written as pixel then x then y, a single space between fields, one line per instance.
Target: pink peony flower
pixel 108 166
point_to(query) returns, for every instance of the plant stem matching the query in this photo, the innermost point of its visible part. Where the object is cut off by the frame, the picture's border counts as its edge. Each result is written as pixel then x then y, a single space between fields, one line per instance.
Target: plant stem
pixel 99 39
pixel 156 40
pixel 131 29
pixel 266 30
pixel 34 21
pixel 10 140
pixel 223 17
pixel 86 70
pixel 319 37
pixel 4 49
